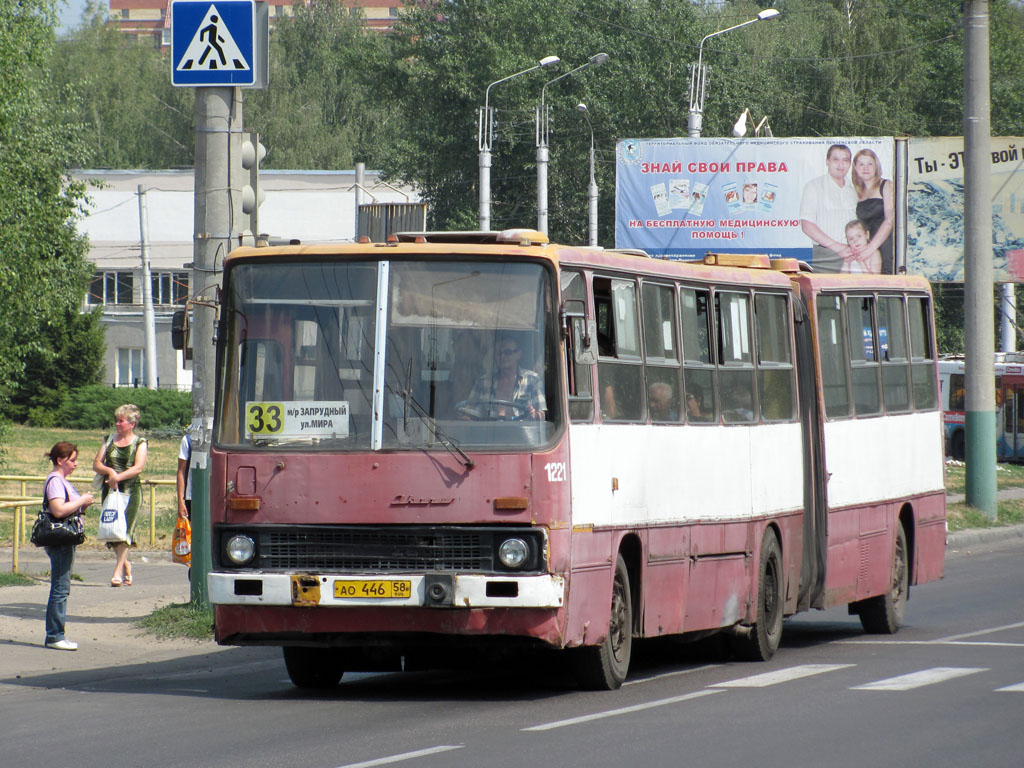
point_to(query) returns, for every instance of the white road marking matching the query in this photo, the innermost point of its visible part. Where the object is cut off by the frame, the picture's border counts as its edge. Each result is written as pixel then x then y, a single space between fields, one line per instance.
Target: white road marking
pixel 403 756
pixel 987 643
pixel 1018 688
pixel 621 711
pixel 670 674
pixel 919 679
pixel 781 676
pixel 980 632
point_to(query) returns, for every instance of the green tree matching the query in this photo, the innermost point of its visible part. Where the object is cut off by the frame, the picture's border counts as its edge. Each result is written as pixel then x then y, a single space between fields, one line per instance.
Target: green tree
pixel 69 356
pixel 44 270
pixel 121 94
pixel 322 109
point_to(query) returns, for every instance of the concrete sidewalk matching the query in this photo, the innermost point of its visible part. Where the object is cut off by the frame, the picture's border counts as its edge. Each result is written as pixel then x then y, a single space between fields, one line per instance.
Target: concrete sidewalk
pixel 100 618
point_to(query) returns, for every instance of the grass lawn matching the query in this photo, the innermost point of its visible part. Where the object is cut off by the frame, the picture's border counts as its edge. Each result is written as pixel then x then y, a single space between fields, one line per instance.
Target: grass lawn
pixel 24 454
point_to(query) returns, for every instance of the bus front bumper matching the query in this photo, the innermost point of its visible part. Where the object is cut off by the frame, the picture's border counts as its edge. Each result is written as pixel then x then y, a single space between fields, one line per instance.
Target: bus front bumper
pixel 439 590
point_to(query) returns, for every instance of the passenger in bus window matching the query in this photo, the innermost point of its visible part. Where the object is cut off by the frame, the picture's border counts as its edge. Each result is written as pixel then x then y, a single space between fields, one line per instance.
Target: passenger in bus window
pixel 661 401
pixel 509 391
pixel 693 411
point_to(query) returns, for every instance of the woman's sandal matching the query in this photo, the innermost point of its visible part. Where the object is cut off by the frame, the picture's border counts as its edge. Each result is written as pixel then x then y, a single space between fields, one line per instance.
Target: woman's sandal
pixel 115 582
pixel 127 574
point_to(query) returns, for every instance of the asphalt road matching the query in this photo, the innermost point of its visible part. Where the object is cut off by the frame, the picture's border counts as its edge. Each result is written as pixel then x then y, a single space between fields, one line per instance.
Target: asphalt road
pixel 947 690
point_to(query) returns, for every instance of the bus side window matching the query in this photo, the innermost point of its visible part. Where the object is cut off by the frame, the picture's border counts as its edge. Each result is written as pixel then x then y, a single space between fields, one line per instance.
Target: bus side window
pixel 735 358
pixel 620 369
pixel 863 354
pixel 775 381
pixel 895 362
pixel 581 398
pixel 922 354
pixel 698 366
pixel 832 355
pixel 661 353
pixel 956 392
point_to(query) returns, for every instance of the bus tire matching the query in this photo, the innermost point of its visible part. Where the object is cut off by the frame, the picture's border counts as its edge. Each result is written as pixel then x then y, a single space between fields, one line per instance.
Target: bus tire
pixel 603 667
pixel 314 668
pixel 762 641
pixel 957 450
pixel 883 615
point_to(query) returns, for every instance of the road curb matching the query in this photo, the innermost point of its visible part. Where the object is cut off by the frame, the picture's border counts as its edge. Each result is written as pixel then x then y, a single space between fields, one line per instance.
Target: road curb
pixel 971 536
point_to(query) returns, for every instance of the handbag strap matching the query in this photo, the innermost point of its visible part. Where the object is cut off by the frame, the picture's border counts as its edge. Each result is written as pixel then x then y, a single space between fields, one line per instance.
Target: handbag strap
pixel 46 498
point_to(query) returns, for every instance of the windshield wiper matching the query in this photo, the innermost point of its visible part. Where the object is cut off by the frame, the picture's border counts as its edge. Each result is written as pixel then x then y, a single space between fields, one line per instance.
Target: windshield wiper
pixel 444 438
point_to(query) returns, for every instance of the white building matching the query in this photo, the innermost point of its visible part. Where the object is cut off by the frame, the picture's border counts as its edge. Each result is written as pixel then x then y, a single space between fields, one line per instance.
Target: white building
pixel 313 206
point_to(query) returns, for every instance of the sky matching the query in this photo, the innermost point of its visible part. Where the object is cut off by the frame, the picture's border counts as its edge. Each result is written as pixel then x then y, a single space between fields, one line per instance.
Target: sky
pixel 70 12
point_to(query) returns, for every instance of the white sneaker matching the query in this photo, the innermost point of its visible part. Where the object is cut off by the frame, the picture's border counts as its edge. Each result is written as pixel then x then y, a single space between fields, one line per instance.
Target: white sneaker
pixel 63 645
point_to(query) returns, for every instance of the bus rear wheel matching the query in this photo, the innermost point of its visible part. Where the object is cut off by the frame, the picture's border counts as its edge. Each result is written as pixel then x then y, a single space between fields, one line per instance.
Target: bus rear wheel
pixel 883 615
pixel 604 667
pixel 763 639
pixel 315 668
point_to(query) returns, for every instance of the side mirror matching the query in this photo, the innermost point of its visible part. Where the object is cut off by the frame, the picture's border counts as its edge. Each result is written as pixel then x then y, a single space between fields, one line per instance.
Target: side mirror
pixel 584 340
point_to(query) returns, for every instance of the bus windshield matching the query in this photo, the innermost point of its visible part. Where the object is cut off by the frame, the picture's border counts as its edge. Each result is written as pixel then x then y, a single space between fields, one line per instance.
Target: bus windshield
pixel 468 359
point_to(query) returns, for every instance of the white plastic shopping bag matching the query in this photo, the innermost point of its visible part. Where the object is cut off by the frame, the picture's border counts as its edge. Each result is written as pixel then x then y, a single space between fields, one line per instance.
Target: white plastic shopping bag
pixel 113 522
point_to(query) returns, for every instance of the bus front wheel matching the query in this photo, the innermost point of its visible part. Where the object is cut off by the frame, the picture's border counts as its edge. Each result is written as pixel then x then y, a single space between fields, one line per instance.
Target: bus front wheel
pixel 316 668
pixel 762 641
pixel 883 615
pixel 603 667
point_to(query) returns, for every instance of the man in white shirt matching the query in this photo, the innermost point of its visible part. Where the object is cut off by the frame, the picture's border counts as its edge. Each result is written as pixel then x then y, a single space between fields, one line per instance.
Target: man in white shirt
pixel 829 203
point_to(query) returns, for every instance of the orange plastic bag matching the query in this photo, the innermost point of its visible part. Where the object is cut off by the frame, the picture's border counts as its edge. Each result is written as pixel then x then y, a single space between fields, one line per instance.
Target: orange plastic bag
pixel 181 544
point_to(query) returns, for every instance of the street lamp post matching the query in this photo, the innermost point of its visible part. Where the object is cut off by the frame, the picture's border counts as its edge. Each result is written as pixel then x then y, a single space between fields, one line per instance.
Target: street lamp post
pixel 485 140
pixel 543 135
pixel 698 73
pixel 592 190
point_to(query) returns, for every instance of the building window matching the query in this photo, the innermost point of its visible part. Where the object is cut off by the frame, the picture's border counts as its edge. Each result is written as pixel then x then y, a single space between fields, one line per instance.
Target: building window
pixel 170 287
pixel 111 288
pixel 129 367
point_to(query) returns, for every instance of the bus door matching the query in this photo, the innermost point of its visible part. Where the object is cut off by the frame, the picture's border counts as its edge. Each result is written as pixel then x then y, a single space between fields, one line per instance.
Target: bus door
pixel 1010 432
pixel 812 569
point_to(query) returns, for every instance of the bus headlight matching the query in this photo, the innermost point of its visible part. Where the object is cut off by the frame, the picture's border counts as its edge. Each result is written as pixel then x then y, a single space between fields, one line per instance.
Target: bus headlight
pixel 513 552
pixel 240 549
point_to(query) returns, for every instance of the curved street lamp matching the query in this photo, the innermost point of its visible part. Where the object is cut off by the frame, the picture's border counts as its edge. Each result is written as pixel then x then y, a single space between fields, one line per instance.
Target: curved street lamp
pixel 592 189
pixel 698 73
pixel 543 134
pixel 485 139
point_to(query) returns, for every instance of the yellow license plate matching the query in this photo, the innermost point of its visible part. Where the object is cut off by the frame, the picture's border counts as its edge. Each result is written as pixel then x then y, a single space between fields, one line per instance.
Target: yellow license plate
pixel 372 588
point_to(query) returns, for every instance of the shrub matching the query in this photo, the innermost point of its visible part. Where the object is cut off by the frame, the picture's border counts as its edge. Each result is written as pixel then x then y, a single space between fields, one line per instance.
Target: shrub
pixel 93 407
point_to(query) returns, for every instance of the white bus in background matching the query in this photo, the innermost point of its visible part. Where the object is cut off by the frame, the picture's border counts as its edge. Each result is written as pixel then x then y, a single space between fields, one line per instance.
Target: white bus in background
pixel 1008 369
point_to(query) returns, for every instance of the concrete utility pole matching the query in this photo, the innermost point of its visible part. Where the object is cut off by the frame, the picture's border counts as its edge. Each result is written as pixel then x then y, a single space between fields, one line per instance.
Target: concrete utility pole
pixel 148 319
pixel 1008 318
pixel 218 170
pixel 979 326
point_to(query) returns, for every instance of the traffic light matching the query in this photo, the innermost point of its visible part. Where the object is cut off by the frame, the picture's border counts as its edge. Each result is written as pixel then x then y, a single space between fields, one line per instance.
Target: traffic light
pixel 252 196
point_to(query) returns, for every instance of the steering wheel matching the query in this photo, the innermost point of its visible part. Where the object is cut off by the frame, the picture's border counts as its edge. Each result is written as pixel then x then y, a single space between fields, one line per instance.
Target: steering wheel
pixel 487 409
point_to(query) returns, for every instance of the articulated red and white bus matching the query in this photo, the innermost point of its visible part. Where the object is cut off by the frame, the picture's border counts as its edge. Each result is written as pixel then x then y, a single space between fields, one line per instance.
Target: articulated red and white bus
pixel 482 439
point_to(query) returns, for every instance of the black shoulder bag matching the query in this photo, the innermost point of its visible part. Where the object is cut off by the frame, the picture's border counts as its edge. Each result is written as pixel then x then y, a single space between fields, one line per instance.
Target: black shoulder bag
pixel 50 531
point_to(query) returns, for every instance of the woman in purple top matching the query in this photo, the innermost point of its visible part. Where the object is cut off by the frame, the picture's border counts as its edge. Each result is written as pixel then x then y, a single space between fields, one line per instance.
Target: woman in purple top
pixel 62 500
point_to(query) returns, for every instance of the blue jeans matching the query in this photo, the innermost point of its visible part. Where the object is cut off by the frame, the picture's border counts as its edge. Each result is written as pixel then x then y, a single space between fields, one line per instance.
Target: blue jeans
pixel 61 560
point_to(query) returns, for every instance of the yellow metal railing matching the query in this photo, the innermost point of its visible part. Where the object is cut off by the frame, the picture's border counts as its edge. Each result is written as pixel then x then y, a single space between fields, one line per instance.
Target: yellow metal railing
pixel 21 503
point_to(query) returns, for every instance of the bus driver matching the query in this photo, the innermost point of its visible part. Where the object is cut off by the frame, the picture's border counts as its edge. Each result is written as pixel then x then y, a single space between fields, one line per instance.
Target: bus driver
pixel 509 391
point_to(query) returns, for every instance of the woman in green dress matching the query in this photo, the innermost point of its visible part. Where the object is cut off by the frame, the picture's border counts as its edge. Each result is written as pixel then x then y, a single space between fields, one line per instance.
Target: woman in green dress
pixel 121 460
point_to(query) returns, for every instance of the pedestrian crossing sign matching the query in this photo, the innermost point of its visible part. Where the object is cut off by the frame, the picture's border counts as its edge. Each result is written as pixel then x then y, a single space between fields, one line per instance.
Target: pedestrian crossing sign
pixel 218 43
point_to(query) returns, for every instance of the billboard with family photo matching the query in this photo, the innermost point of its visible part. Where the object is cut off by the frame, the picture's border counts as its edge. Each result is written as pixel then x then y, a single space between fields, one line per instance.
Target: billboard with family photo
pixel 827 201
